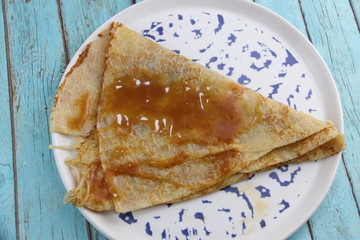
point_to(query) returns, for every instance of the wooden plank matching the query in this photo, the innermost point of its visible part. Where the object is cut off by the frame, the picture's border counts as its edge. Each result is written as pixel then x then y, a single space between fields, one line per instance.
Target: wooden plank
pixel 37 59
pixel 337 216
pixel 7 194
pixel 334 33
pixel 80 19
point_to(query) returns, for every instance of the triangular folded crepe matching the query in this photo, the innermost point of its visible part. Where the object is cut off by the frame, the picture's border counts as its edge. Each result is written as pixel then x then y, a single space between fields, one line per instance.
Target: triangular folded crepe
pixel 170 129
pixel 76 102
pixel 157 107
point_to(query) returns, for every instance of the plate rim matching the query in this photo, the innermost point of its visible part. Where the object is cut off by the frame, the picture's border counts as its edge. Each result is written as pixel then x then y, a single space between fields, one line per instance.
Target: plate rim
pixel 302 40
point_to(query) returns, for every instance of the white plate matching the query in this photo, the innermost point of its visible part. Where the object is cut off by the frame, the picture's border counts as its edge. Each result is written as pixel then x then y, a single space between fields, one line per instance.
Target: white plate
pixel 255 47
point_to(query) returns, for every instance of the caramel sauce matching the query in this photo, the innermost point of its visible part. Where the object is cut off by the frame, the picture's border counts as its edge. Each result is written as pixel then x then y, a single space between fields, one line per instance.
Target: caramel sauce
pixel 179 110
pixel 129 168
pixel 116 194
pixel 132 169
pixel 227 161
pixel 182 111
pixel 98 186
pixel 83 105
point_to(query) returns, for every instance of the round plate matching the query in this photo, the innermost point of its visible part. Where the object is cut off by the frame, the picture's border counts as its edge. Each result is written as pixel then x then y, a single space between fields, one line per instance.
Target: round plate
pixel 259 49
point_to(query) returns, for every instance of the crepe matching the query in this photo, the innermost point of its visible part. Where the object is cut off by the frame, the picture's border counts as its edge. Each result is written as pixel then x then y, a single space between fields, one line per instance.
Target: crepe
pixel 157 107
pixel 91 190
pixel 144 160
pixel 327 149
pixel 76 101
pixel 293 153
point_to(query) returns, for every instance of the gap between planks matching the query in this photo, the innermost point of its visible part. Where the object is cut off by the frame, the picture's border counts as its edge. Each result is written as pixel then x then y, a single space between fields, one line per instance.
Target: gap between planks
pixel 304 20
pixel 351 186
pixel 310 230
pixel 11 104
pixel 355 17
pixel 65 45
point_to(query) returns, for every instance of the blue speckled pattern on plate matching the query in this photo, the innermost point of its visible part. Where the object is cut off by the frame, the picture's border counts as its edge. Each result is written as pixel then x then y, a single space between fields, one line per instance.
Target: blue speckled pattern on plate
pixel 250 52
pixel 240 49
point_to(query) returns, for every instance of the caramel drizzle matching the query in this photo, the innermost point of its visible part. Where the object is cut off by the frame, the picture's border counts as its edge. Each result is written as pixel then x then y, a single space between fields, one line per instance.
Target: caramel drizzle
pixel 83 103
pixel 98 186
pixel 181 110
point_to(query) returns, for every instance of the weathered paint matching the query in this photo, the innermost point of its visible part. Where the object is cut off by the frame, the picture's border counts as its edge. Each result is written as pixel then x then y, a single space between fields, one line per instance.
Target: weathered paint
pixel 37 59
pixel 7 194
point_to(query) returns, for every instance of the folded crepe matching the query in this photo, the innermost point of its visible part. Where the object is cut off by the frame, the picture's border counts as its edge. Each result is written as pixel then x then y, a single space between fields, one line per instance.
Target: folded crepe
pixel 87 161
pixel 91 190
pixel 76 101
pixel 169 129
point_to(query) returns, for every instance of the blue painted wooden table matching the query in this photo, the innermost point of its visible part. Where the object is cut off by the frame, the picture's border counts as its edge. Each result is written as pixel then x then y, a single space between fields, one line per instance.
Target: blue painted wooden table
pixel 37 39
